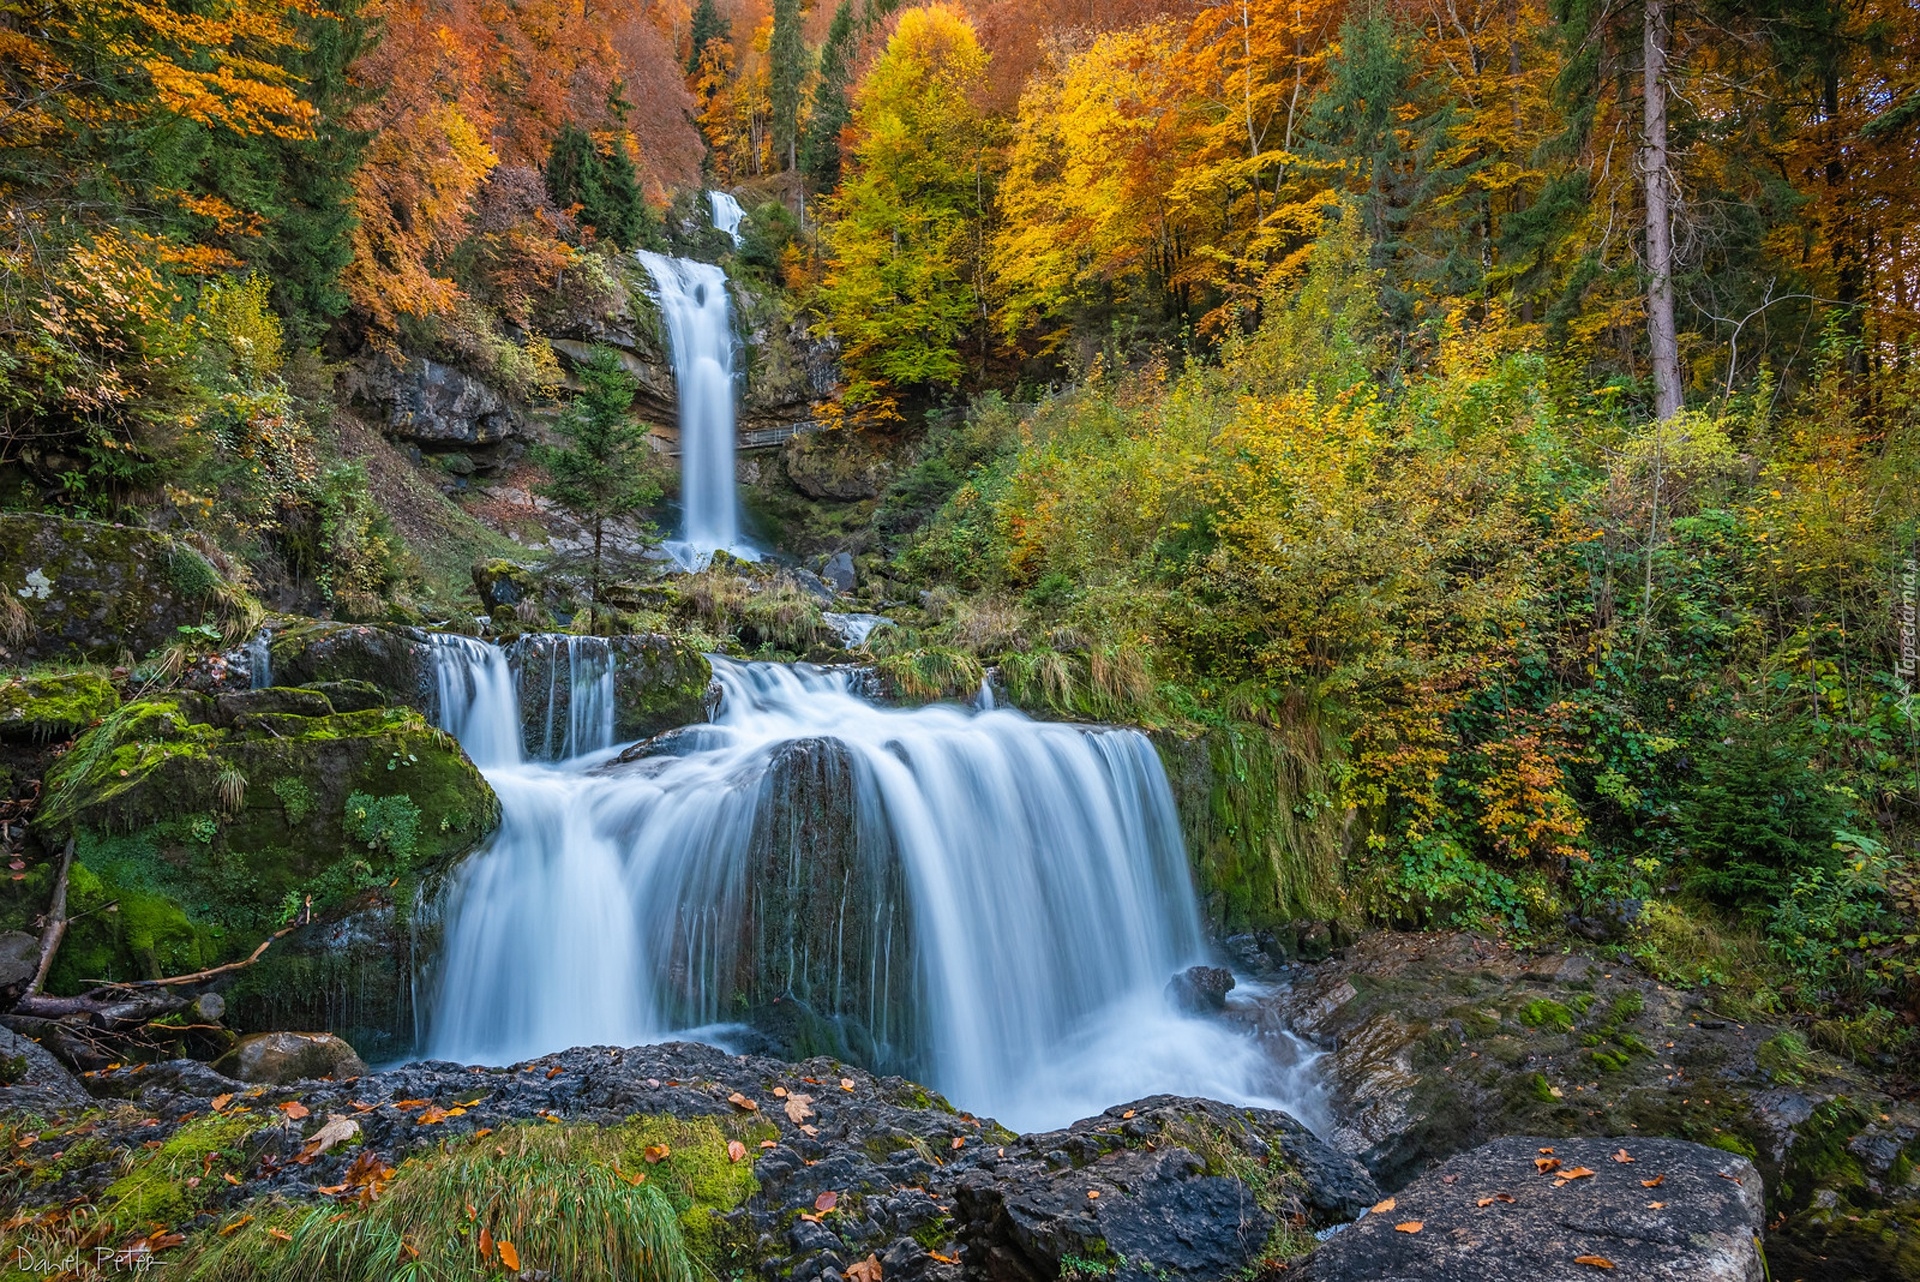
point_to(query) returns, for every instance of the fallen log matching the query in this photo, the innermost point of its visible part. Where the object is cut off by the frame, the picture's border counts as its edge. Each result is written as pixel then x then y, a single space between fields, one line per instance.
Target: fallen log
pixel 56 919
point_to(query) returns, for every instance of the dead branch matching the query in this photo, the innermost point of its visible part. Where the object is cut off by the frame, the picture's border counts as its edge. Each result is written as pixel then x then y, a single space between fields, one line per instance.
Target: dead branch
pixel 56 925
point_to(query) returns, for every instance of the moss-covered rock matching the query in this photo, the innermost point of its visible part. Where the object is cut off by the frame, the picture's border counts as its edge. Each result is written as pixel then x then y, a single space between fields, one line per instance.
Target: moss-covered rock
pixel 394 660
pixel 202 826
pixel 659 683
pixel 54 705
pixel 96 591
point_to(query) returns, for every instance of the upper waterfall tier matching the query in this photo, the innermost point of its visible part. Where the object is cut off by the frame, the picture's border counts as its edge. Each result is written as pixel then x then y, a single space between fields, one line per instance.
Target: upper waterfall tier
pixel 989 903
pixel 693 301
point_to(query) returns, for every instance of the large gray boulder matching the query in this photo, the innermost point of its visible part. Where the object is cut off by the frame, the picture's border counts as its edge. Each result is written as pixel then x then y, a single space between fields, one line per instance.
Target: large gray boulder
pixel 275 1059
pixel 1524 1209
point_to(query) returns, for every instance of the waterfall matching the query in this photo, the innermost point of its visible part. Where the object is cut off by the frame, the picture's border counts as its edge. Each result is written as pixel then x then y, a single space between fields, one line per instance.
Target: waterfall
pixel 727 213
pixel 993 904
pixel 259 651
pixel 693 300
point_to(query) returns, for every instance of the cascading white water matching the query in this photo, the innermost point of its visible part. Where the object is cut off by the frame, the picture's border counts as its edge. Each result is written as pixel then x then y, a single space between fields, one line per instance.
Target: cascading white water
pixel 693 300
pixel 1043 883
pixel 727 214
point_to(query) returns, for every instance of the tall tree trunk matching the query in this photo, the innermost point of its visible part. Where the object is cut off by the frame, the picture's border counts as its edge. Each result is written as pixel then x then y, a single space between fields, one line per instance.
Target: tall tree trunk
pixel 593 610
pixel 1662 338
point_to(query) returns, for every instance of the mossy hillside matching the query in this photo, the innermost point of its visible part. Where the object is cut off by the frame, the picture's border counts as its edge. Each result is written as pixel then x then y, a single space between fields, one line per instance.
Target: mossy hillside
pixel 54 705
pixel 204 838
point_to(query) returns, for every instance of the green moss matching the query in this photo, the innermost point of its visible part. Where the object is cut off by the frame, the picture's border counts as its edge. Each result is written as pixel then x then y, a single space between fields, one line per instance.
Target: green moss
pixel 1542 1089
pixel 698 1177
pixel 54 705
pixel 1728 1142
pixel 155 1190
pixel 1544 1012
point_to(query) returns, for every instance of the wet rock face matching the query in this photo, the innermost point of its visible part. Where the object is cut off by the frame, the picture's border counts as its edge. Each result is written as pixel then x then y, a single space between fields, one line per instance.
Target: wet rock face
pixel 838 464
pixel 396 661
pixel 1200 989
pixel 1437 1043
pixel 1515 1211
pixel 93 591
pixel 434 406
pixel 659 683
pixel 1190 1189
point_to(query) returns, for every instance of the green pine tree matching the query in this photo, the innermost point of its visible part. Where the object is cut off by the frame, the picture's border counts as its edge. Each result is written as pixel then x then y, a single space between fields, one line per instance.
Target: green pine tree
pixel 602 183
pixel 600 472
pixel 820 151
pixel 707 27
pixel 788 54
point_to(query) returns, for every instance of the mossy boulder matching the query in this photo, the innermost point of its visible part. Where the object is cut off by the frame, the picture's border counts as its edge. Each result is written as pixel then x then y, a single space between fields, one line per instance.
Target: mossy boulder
pixel 95 591
pixel 59 705
pixel 659 683
pixel 394 660
pixel 202 826
pixel 501 584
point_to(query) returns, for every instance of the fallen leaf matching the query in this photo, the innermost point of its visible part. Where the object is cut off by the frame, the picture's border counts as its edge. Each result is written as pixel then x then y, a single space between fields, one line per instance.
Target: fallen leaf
pixel 405 1104
pixel 826 1201
pixel 486 1245
pixel 236 1226
pixel 221 1101
pixel 769 1144
pixel 1485 1201
pixel 1735 1178
pixel 798 1107
pixel 1503 1197
pixel 810 1130
pixel 1545 1164
pixel 1093 1194
pixel 338 1130
pixel 742 1102
pixel 1656 1206
pixel 280 1235
pixel 958 1142
pixel 1127 1114
pixel 867 1270
pixel 554 1072
pixel 1655 1182
pixel 1577 1173
pixel 1621 1156
pixel 846 1083
pixel 779 1092
pixel 1411 1226
pixel 1593 1261
pixel 1543 1150
pixel 483 1132
pixel 1381 1208
pixel 231 1178
pixel 810 1217
pixel 294 1109
pixel 431 1117
pixel 944 1259
pixel 657 1153
pixel 736 1151
pixel 509 1256
pixel 1449 1179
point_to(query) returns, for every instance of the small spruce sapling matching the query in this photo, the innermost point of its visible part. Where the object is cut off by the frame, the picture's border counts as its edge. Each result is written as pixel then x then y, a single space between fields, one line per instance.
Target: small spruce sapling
pixel 601 470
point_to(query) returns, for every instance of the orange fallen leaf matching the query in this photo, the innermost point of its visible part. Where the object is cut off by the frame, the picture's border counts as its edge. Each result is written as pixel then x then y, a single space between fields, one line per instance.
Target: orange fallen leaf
pixel 826 1201
pixel 280 1235
pixel 1735 1178
pixel 509 1256
pixel 236 1226
pixel 742 1102
pixel 1485 1201
pixel 1411 1226
pixel 1127 1114
pixel 1093 1194
pixel 867 1270
pixel 483 1132
pixel 405 1104
pixel 736 1151
pixel 360 1107
pixel 1381 1208
pixel 1655 1182
pixel 221 1101
pixel 1622 1156
pixel 768 1144
pixel 486 1245
pixel 656 1153
pixel 958 1142
pixel 1577 1173
pixel 231 1178
pixel 432 1117
pixel 1593 1261
pixel 554 1072
pixel 1544 1150
pixel 779 1092
pixel 846 1083
pixel 1656 1206
pixel 294 1109
pixel 799 1108
pixel 811 1218
pixel 944 1259
pixel 1545 1164
pixel 1503 1197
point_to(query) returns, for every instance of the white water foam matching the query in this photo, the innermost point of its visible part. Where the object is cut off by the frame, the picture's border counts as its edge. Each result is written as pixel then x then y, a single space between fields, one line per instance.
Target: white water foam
pixel 1042 869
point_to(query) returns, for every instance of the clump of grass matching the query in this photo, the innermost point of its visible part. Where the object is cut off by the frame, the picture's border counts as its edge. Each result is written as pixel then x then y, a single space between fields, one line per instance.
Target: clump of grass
pixel 934 672
pixel 16 625
pixel 560 1196
pixel 231 789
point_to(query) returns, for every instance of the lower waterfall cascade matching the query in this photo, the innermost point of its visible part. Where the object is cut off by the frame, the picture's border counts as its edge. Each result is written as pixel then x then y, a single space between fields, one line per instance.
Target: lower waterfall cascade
pixel 1028 890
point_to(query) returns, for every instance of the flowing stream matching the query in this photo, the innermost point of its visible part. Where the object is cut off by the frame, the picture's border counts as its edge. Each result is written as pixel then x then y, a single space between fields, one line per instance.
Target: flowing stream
pixel 988 903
